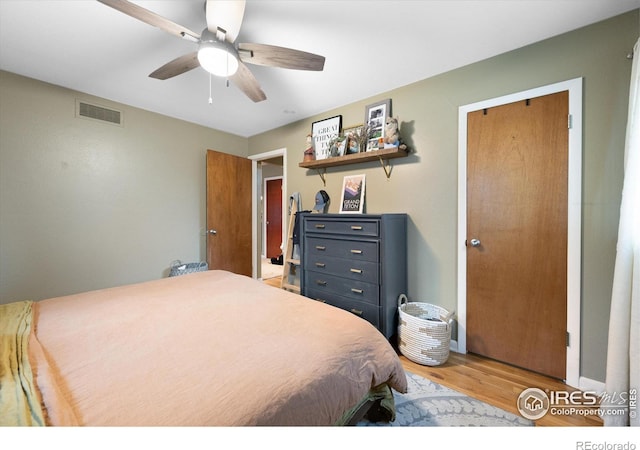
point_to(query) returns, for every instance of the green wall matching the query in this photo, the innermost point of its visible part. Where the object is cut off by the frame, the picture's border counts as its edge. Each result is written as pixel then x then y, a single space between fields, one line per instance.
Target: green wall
pixel 424 185
pixel 85 204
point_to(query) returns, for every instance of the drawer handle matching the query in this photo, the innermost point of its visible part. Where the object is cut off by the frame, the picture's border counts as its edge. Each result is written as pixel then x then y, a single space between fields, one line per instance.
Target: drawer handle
pixel 356 270
pixel 322 265
pixel 321 282
pixel 320 225
pixel 357 291
pixel 321 248
pixel 356 252
pixel 356 311
pixel 356 227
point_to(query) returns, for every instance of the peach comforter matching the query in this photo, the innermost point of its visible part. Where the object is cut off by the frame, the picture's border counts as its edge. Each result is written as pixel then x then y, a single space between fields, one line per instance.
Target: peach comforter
pixel 209 348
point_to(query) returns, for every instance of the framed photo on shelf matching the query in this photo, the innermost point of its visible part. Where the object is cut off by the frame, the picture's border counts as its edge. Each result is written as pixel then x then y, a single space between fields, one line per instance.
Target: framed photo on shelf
pixel 375 116
pixel 352 139
pixel 352 198
pixel 324 132
pixel 341 146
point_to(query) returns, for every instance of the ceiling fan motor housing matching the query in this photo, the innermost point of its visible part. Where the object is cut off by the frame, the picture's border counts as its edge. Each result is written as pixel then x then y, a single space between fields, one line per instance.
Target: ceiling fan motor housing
pixel 216 56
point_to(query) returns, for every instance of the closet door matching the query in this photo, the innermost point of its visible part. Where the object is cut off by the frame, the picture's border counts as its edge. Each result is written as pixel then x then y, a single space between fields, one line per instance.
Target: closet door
pixel 517 168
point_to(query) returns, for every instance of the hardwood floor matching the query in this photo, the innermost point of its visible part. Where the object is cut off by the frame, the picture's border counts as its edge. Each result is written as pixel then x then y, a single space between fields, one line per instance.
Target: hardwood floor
pixel 497 384
pixel 275 282
pixel 491 381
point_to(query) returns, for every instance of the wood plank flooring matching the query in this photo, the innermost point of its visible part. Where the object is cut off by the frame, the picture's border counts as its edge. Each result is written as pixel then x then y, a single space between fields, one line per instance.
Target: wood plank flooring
pixel 275 282
pixel 491 381
pixel 496 383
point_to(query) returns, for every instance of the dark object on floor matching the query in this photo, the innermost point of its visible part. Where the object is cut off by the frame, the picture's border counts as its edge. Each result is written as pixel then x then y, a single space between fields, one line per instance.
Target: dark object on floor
pixel 277 261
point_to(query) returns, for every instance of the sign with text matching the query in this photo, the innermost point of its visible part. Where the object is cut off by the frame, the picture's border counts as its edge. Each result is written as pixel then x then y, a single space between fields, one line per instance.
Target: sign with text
pixel 323 131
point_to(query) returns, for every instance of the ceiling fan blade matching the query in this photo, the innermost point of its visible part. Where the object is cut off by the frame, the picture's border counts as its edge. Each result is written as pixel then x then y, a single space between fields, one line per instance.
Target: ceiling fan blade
pixel 225 14
pixel 247 83
pixel 178 66
pixel 286 58
pixel 151 18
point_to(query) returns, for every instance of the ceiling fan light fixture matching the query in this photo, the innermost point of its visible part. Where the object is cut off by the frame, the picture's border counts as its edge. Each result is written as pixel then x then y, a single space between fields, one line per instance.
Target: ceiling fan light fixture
pixel 217 57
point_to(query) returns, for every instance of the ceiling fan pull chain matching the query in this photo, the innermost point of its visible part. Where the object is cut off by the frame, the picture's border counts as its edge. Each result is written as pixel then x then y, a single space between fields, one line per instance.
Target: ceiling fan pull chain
pixel 227 69
pixel 210 97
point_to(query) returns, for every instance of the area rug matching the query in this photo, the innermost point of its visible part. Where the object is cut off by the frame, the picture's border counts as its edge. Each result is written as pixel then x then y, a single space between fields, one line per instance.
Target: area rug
pixel 429 404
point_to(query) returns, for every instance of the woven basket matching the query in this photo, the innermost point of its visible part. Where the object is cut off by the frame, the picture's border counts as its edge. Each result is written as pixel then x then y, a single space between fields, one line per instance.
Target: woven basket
pixel 178 268
pixel 424 332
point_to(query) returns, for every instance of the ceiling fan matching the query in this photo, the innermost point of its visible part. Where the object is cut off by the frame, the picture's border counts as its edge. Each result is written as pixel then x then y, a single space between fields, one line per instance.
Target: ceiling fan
pixel 216 51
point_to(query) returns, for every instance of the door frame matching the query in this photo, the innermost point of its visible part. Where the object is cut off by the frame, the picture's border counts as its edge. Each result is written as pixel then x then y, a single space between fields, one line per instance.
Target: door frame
pixel 256 178
pixel 264 212
pixel 574 212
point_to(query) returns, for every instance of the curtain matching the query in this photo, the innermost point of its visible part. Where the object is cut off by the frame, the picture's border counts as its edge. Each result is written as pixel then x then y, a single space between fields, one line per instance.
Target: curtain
pixel 623 353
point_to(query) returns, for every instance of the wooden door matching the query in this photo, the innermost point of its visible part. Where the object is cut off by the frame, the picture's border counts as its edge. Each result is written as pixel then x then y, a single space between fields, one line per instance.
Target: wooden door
pixel 274 217
pixel 517 160
pixel 229 213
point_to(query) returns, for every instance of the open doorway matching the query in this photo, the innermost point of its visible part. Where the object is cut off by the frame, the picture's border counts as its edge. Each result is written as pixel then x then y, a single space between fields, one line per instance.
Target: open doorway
pixel 272 214
pixel 267 167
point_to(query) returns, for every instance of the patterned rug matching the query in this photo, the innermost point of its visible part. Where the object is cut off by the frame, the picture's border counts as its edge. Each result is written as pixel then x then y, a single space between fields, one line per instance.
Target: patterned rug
pixel 429 404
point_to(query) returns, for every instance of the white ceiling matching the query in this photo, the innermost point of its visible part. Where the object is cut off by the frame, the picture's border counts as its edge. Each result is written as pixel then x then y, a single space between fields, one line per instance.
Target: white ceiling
pixel 370 47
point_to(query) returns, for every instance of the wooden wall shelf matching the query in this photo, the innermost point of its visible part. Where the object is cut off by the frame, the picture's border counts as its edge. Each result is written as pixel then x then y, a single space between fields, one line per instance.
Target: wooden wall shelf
pixel 374 155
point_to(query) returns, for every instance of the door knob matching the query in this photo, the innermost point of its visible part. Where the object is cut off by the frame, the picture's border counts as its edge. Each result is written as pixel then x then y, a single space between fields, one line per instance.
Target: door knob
pixel 475 242
pixel 212 232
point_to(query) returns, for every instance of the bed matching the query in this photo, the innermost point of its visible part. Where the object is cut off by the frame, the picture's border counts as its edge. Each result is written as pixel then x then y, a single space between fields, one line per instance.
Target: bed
pixel 205 349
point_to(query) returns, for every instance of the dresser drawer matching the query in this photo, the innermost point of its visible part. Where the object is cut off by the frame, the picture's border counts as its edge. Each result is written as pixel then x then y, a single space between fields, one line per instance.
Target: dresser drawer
pixel 353 269
pixel 355 227
pixel 342 248
pixel 357 290
pixel 368 312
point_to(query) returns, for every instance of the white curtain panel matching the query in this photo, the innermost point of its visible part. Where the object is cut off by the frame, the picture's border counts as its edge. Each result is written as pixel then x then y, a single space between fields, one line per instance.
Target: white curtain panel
pixel 623 357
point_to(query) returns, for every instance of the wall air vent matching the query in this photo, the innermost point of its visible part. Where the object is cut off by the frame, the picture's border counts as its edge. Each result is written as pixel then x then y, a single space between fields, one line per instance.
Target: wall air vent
pixel 95 112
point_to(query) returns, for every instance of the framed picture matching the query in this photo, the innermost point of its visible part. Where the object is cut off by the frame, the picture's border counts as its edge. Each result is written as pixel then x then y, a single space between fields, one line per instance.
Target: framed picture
pixel 323 133
pixel 352 137
pixel 352 199
pixel 375 116
pixel 340 147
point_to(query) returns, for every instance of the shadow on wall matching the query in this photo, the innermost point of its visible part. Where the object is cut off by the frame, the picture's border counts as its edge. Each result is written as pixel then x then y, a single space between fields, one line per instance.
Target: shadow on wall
pixel 425 276
pixel 406 130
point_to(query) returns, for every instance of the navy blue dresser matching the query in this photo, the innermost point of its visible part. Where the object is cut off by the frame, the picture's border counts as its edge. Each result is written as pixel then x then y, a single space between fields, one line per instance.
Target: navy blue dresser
pixel 357 263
